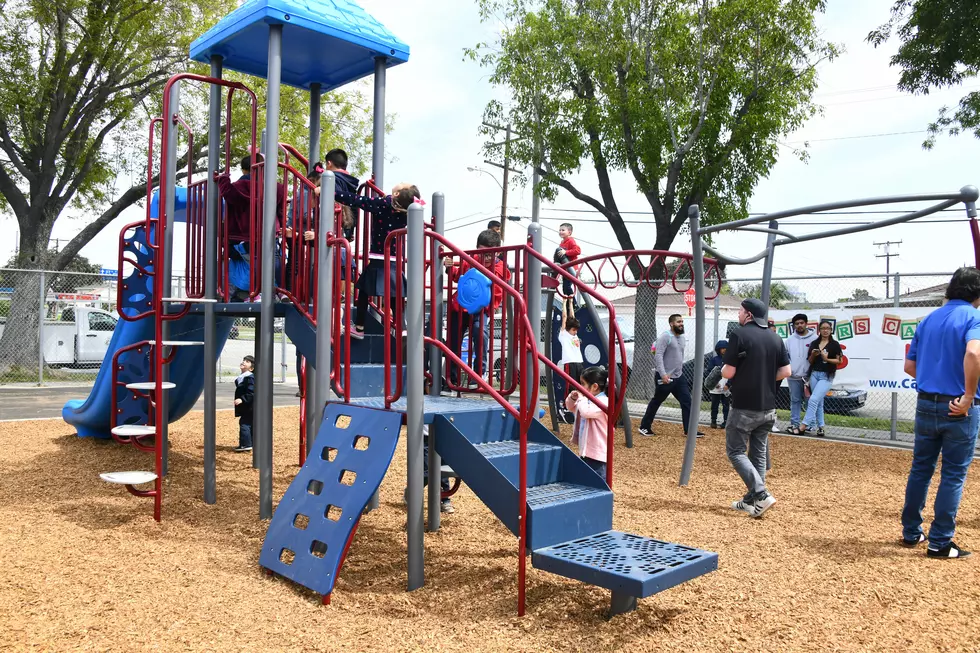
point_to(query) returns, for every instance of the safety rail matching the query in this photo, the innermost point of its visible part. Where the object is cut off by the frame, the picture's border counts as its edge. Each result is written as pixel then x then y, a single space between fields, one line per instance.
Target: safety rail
pixel 525 413
pixel 615 393
pixel 654 275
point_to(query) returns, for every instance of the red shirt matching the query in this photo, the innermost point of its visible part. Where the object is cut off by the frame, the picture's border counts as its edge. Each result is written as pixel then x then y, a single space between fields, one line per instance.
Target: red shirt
pixel 572 250
pixel 238 199
pixel 497 292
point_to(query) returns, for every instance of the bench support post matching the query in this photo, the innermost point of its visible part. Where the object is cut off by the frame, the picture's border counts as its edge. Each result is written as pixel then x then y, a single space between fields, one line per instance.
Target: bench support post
pixel 620 603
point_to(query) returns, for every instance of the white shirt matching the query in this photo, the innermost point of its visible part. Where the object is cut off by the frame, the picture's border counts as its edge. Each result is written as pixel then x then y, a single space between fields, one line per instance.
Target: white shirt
pixel 571 350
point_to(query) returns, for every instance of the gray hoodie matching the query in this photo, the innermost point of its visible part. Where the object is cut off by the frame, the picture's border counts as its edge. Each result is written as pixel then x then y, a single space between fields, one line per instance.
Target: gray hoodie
pixel 797 347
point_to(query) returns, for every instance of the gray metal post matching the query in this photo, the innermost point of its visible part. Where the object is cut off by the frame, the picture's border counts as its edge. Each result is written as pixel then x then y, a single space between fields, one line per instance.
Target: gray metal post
pixel 378 162
pixel 415 371
pixel 894 415
pixel 324 301
pixel 532 295
pixel 694 213
pixel 435 365
pixel 378 153
pixel 166 265
pixel 314 123
pixel 767 264
pixel 717 316
pixel 211 287
pixel 42 295
pixel 263 380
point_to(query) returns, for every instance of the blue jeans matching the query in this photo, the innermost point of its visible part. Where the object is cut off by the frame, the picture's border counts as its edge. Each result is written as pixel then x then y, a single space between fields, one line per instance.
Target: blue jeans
pixel 245 433
pixel 820 383
pixel 796 401
pixel 597 466
pixel 681 391
pixel 477 328
pixel 955 437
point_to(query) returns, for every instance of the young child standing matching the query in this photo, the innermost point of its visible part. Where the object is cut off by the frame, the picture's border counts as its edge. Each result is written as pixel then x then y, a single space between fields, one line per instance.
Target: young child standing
pixel 244 406
pixel 719 393
pixel 568 251
pixel 589 431
pixel 388 214
pixel 571 349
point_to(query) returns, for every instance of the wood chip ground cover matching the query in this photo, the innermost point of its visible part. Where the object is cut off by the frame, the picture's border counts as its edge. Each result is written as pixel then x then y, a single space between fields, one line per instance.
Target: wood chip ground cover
pixel 87 568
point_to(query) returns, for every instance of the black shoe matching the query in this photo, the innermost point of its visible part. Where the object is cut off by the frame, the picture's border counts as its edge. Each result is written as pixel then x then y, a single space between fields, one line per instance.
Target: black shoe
pixel 948 551
pixel 722 426
pixel 820 432
pixel 700 434
pixel 242 449
pixel 916 542
pixel 645 432
pixel 714 425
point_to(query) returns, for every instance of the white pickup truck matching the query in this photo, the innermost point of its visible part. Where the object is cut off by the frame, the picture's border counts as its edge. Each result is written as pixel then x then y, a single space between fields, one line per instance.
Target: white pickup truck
pixel 80 337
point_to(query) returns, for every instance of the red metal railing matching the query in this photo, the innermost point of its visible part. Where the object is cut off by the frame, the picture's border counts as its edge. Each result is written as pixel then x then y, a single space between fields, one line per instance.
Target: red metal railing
pixel 654 274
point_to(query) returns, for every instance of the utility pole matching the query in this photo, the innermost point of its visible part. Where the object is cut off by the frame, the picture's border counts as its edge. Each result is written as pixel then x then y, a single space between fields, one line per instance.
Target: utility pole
pixel 507 170
pixel 888 259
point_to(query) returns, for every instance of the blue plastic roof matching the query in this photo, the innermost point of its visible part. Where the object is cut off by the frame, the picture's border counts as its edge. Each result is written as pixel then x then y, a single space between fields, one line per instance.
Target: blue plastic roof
pixel 333 42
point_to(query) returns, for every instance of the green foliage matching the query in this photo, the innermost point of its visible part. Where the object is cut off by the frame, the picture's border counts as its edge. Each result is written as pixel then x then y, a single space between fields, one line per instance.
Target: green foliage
pixel 689 96
pixel 779 293
pixel 939 50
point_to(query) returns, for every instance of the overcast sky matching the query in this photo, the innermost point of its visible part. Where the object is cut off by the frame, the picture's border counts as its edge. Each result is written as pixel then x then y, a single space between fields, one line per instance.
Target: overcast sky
pixel 438 101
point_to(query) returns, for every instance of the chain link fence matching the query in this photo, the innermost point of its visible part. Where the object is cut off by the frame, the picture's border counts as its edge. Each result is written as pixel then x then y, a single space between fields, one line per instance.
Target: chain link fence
pixel 874 317
pixel 56 327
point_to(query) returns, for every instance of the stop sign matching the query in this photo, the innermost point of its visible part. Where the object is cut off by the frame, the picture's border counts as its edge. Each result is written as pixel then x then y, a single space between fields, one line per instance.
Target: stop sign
pixel 689 298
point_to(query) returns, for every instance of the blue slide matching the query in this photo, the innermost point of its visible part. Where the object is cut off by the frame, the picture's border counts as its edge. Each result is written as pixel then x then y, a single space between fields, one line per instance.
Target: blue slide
pixel 91 417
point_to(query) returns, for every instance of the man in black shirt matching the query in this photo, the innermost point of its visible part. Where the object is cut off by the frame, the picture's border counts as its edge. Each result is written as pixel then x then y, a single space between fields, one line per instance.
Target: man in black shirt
pixel 755 362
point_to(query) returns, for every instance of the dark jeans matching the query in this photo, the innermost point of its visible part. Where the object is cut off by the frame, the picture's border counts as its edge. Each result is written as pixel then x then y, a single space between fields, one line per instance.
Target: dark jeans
pixel 245 432
pixel 458 327
pixel 677 387
pixel 597 466
pixel 955 438
pixel 749 429
pixel 725 403
pixel 443 482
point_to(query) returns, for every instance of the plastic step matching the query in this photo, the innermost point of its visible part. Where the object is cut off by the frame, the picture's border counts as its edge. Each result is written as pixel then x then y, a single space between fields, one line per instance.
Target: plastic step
pixel 543 461
pixel 128 478
pixel 179 343
pixel 133 430
pixel 150 385
pixel 629 564
pixel 188 300
pixel 559 512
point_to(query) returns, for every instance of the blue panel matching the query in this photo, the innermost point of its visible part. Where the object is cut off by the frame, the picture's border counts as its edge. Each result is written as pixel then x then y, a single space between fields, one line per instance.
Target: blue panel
pixel 542 461
pixel 332 42
pixel 591 343
pixel 635 565
pixel 573 468
pixel 559 512
pixel 318 546
pixel 180 204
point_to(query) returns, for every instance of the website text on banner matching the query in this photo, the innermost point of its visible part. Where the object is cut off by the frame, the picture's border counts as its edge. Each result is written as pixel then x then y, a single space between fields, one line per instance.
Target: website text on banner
pixel 874 342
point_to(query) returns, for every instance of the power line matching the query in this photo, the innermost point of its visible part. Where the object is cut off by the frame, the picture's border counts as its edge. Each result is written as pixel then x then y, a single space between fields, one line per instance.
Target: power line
pixel 754 213
pixel 849 138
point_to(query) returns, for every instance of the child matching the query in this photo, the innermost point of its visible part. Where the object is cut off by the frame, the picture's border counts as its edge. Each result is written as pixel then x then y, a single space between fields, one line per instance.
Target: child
pixel 460 321
pixel 589 431
pixel 445 505
pixel 719 393
pixel 388 214
pixel 568 251
pixel 244 407
pixel 571 349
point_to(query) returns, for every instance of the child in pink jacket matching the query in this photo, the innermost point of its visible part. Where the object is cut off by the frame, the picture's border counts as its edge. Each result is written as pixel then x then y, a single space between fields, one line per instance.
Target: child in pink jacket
pixel 589 431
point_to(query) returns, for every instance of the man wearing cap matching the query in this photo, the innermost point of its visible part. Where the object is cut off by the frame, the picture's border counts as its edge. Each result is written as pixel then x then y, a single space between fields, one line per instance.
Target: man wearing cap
pixel 756 361
pixel 944 360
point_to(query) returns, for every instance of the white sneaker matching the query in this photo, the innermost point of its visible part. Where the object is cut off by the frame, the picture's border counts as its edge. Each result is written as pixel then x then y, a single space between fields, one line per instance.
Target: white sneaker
pixel 764 504
pixel 749 509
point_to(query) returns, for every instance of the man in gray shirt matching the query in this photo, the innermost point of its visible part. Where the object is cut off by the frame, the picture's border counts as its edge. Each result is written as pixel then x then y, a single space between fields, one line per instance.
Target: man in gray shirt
pixel 669 362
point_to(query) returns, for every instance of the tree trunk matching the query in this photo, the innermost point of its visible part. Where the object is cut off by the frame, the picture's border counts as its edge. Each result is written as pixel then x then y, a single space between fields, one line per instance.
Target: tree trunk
pixel 641 384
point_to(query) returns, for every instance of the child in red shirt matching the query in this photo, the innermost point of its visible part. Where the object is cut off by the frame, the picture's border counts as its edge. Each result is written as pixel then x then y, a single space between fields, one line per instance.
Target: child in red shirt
pixel 567 252
pixel 460 320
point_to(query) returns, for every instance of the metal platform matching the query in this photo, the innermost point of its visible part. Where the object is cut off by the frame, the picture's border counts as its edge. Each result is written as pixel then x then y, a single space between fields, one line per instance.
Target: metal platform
pixel 433 405
pixel 236 309
pixel 631 565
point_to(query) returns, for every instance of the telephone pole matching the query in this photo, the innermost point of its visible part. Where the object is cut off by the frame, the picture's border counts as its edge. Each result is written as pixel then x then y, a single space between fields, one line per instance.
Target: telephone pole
pixel 507 170
pixel 888 259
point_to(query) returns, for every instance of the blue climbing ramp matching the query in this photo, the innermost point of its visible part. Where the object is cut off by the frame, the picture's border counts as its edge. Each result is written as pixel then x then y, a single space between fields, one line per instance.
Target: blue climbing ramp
pixel 315 519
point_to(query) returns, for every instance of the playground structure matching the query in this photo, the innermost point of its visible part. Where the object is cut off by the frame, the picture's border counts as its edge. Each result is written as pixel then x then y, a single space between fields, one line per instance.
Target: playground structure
pixel 559 509
pixel 775 237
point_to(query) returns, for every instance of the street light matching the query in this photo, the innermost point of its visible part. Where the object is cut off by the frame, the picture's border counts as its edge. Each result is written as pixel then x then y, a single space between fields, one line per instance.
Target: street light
pixel 486 172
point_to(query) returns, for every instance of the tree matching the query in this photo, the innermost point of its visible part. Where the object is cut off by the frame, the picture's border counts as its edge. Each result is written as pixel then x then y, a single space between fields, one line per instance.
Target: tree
pixel 689 96
pixel 939 50
pixel 83 269
pixel 861 295
pixel 79 80
pixel 779 293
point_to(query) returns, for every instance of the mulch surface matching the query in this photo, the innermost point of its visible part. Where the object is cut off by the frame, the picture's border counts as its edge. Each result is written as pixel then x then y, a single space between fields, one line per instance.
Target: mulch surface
pixel 87 568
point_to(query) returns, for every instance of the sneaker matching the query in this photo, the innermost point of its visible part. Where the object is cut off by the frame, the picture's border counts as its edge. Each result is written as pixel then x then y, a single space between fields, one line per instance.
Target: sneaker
pixel 714 426
pixel 820 432
pixel 447 507
pixel 948 551
pixel 700 434
pixel 762 505
pixel 645 432
pixel 916 542
pixel 357 333
pixel 748 508
pixel 721 427
pixel 242 449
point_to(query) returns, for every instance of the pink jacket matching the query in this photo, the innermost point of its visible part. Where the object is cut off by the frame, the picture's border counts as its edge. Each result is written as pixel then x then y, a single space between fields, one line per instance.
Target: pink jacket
pixel 589 431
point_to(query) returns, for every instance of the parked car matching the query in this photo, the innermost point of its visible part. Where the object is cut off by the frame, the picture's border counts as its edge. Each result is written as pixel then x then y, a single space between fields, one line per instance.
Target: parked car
pixel 79 338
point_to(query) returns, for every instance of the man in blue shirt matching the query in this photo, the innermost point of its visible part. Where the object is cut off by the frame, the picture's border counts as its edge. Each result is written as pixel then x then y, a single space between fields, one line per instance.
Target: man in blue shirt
pixel 944 359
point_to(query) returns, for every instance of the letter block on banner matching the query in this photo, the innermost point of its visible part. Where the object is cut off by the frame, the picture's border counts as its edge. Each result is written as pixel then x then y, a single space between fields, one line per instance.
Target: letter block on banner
pixel 862 325
pixel 782 328
pixel 908 330
pixel 890 324
pixel 845 330
pixel 831 319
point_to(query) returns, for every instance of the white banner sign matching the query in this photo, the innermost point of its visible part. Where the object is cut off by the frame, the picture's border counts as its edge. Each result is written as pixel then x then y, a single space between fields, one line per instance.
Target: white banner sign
pixel 874 341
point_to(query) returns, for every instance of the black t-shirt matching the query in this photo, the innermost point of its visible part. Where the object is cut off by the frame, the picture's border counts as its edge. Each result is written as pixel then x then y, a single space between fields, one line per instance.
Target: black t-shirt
pixel 756 353
pixel 820 365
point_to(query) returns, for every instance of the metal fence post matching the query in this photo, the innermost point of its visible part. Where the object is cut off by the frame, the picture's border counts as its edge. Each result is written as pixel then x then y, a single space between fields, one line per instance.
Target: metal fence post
pixel 40 332
pixel 282 356
pixel 717 315
pixel 894 416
